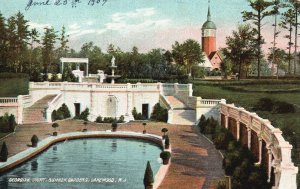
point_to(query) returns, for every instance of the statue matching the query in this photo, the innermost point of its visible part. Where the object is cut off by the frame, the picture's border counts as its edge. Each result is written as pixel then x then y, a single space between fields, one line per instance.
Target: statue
pixel 113 61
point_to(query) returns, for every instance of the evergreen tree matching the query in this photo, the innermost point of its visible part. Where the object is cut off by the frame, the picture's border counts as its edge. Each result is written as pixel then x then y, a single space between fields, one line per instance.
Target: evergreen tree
pixel 22 34
pixel 287 23
pixel 48 43
pixel 4 153
pixel 148 177
pixel 258 13
pixel 2 42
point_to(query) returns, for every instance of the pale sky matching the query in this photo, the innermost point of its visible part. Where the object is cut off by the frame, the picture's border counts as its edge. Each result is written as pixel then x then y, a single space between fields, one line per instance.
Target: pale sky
pixel 146 24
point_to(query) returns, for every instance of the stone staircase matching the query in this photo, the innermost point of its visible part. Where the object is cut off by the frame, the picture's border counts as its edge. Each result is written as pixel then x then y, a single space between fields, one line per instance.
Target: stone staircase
pixel 182 114
pixel 36 112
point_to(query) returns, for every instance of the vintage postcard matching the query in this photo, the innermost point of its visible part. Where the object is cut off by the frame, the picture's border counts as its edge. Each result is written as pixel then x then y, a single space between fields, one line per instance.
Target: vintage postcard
pixel 154 94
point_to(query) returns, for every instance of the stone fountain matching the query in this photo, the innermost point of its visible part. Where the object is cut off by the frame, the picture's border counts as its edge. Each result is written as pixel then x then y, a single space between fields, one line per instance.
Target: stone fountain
pixel 113 67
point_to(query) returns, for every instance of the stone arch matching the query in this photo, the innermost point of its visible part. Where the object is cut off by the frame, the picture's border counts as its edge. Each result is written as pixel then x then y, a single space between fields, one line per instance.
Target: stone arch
pixel 243 134
pixel 255 145
pixel 111 106
pixel 232 126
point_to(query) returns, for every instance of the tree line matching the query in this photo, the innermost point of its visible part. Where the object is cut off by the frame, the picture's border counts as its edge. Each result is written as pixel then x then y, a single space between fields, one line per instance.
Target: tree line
pixel 244 46
pixel 25 50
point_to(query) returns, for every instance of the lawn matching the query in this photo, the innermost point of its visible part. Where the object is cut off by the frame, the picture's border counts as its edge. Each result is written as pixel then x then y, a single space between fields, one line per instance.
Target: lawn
pixel 13 87
pixel 248 96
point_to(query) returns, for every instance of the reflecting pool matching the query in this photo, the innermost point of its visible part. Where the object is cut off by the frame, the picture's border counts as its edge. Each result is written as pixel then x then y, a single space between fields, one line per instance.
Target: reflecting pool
pixel 86 163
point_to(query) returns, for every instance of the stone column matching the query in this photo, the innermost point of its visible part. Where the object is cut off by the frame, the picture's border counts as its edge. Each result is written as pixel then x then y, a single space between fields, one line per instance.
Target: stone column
pixel 226 121
pixel 238 129
pixel 190 89
pixel 260 150
pixel 269 164
pixel 249 137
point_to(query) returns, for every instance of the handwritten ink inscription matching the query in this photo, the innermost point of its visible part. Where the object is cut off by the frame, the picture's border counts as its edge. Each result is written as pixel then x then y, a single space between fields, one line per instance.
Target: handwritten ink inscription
pixel 73 3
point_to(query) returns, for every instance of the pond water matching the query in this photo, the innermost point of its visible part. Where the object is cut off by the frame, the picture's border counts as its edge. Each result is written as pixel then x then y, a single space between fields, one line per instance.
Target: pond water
pixel 86 163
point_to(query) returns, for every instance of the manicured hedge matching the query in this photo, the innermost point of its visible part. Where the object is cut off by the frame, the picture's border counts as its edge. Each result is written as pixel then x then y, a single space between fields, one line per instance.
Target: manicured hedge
pixel 7 123
pixel 8 75
pixel 99 119
pixel 279 107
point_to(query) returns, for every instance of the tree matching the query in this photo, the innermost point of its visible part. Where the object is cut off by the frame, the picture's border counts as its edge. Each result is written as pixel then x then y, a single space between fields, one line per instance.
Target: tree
pixel 294 6
pixel 187 54
pixel 3 152
pixel 240 48
pixel 259 12
pixel 22 34
pixel 33 37
pixel 63 40
pixel 48 43
pixel 226 67
pixel 278 56
pixel 148 176
pixel 276 5
pixel 287 23
pixel 3 45
pixel 11 44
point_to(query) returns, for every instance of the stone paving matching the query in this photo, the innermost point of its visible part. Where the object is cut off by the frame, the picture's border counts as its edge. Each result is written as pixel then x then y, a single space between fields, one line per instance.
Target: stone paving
pixel 195 161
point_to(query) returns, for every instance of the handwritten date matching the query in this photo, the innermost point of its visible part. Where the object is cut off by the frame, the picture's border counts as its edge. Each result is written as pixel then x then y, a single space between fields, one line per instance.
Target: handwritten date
pixel 73 3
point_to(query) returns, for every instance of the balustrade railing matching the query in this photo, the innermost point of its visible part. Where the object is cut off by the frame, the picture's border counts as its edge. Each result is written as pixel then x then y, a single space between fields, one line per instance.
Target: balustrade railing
pixel 278 146
pixel 8 100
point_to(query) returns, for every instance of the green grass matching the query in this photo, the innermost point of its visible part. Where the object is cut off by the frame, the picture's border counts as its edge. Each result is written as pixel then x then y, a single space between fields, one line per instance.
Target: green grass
pixel 3 135
pixel 13 87
pixel 248 96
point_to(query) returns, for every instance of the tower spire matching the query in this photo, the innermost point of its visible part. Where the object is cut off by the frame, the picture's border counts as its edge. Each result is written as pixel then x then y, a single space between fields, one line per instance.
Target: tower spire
pixel 208 13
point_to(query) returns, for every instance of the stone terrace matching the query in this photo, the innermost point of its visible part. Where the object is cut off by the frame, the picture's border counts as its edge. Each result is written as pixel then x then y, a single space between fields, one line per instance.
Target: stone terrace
pixel 195 161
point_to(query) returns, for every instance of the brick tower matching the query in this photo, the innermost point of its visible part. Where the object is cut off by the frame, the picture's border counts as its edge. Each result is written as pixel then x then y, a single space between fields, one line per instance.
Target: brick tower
pixel 209 35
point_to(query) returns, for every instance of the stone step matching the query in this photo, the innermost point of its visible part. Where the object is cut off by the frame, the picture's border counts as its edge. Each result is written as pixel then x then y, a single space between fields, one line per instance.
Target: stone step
pixel 176 103
pixel 184 117
pixel 35 113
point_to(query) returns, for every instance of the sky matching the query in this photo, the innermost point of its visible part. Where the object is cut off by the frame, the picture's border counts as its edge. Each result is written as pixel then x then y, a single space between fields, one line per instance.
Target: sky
pixel 146 24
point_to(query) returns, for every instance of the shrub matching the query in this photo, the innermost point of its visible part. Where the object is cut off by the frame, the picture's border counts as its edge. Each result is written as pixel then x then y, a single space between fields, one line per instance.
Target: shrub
pixel 7 123
pixel 207 126
pixel 159 113
pixel 34 140
pixel 202 123
pixel 221 138
pixel 281 107
pixel 121 119
pixel 148 176
pixel 165 155
pixel 136 115
pixel 54 115
pixel 55 125
pixel 99 119
pixel 12 122
pixel 264 104
pixel 62 112
pixel 84 115
pixel 109 120
pixel 164 130
pixel 66 112
pixel 4 153
pixel 114 126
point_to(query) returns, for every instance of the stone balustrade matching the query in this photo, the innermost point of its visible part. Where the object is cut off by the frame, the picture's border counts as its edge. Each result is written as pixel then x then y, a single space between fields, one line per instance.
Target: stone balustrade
pixel 8 101
pixel 266 143
pixel 94 86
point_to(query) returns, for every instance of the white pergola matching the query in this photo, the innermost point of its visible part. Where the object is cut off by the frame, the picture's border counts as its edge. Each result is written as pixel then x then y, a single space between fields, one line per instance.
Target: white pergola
pixel 76 61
